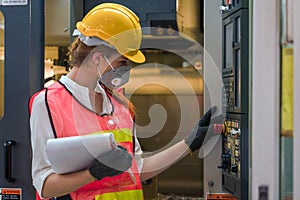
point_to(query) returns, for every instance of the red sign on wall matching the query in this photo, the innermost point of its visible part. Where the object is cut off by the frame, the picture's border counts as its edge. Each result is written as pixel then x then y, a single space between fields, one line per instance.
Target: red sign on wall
pixel 10 194
pixel 220 196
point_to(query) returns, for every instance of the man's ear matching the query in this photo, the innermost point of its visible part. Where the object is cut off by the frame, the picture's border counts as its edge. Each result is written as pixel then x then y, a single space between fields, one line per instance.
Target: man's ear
pixel 97 57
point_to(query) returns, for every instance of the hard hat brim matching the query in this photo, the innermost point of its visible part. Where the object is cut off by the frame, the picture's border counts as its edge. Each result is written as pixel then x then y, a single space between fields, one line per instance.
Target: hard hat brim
pixel 137 58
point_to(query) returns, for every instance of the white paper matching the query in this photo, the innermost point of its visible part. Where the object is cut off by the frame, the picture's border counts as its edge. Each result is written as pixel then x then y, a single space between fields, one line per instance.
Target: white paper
pixel 75 153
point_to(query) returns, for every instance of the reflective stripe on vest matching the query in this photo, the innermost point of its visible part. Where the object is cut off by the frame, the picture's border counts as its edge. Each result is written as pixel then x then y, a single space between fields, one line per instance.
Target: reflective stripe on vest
pixel 125 195
pixel 70 118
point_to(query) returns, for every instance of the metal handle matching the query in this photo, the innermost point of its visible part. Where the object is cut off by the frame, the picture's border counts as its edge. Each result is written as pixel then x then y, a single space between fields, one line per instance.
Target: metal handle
pixel 8 160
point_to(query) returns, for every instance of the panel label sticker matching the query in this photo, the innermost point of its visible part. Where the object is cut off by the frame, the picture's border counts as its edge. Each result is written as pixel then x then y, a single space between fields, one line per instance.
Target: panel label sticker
pixel 14 2
pixel 220 196
pixel 10 194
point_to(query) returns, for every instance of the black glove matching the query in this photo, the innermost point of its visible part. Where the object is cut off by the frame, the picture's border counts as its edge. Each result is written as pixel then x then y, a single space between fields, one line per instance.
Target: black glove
pixel 110 164
pixel 197 136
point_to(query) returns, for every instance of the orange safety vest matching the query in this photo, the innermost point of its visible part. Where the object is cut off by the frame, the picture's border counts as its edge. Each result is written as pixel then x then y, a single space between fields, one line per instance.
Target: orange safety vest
pixel 69 117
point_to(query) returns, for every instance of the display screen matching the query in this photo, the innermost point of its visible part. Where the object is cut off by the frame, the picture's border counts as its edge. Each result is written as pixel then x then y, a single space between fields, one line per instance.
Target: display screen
pixel 238 30
pixel 228 45
pixel 237 81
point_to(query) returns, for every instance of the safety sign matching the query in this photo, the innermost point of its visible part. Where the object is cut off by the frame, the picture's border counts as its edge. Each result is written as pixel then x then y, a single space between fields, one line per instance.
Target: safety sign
pixel 219 196
pixel 10 194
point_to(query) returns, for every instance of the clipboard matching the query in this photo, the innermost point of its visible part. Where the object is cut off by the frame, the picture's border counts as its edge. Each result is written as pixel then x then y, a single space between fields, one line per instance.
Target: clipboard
pixel 71 154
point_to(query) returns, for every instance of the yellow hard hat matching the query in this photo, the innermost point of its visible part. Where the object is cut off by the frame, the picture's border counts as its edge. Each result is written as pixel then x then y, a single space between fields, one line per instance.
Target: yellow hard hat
pixel 117 25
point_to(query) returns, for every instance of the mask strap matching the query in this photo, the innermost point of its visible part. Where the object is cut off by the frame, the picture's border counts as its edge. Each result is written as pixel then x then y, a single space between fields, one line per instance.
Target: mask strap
pixel 98 70
pixel 106 59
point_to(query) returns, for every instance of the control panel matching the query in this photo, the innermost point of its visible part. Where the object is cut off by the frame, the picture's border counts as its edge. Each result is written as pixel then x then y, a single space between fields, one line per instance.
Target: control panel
pixel 232 151
pixel 235 71
pixel 235 75
pixel 234 158
pixel 229 96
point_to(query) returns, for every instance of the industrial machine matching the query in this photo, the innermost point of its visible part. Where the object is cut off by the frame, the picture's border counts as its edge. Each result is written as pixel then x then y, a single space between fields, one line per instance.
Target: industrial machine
pixel 235 138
